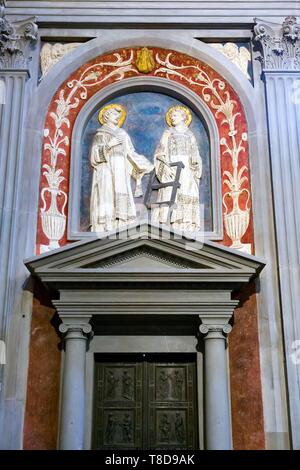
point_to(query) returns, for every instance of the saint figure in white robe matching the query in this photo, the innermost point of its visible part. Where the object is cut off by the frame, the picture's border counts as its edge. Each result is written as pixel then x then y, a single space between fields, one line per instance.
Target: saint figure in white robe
pixel 114 161
pixel 178 144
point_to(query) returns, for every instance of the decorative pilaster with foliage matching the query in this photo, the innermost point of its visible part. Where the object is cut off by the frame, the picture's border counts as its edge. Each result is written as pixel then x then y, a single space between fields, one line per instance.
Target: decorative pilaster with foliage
pixel 279 44
pixel 16 40
pixel 16 46
pixel 280 58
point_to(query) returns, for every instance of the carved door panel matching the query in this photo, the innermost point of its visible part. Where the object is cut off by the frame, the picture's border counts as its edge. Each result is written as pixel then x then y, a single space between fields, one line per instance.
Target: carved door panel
pixel 146 404
pixel 172 416
pixel 118 413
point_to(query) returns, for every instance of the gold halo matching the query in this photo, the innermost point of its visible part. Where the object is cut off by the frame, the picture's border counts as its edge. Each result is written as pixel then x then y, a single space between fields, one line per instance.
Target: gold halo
pixel 187 112
pixel 113 106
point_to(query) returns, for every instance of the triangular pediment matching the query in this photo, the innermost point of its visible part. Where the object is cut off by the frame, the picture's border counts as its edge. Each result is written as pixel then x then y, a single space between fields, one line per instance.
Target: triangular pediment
pixel 144 255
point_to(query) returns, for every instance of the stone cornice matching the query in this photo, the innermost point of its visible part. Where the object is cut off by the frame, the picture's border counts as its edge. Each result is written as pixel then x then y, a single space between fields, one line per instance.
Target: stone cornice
pixel 151 12
pixel 16 39
pixel 279 44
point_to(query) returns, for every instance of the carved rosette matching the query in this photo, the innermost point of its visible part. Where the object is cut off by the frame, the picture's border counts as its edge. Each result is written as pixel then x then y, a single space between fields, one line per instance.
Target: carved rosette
pixel 16 39
pixel 279 44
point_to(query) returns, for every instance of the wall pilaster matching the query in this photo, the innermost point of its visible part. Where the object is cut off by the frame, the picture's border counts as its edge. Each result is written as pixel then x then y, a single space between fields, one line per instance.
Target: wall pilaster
pixel 17 40
pixel 280 58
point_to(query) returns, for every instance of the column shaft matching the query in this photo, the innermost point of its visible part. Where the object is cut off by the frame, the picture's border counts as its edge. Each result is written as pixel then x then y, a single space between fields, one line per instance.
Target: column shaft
pixel 10 163
pixel 217 410
pixel 73 393
pixel 217 404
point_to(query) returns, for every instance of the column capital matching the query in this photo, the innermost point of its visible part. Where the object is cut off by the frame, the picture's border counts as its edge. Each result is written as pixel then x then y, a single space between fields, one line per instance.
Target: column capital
pixel 16 39
pixel 215 326
pixel 76 327
pixel 279 44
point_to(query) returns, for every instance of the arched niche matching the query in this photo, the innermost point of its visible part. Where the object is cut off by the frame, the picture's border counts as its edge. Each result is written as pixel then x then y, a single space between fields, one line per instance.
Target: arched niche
pixel 148 85
pixel 198 85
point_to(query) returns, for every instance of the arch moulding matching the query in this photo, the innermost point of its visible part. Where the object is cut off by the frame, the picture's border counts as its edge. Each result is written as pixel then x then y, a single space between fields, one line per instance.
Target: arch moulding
pixel 201 84
pixel 140 84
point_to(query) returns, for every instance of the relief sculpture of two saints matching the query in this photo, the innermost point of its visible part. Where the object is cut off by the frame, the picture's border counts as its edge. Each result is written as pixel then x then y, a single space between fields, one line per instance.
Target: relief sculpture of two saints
pixel 115 163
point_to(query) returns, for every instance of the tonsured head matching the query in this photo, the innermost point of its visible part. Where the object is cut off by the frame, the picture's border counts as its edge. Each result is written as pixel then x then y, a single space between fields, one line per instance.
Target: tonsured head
pixel 112 113
pixel 178 115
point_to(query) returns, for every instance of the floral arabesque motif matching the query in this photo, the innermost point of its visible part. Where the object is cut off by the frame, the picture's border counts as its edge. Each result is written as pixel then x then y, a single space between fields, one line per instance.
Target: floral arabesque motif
pixel 214 92
pixel 100 72
pixel 53 219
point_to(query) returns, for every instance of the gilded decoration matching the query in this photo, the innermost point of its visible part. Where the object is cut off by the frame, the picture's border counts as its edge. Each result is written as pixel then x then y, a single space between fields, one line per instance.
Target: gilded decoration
pixel 113 106
pixel 98 73
pixel 187 112
pixel 145 62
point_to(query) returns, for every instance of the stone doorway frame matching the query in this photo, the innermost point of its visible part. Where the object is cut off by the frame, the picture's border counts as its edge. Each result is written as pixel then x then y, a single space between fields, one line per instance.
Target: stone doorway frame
pixel 152 273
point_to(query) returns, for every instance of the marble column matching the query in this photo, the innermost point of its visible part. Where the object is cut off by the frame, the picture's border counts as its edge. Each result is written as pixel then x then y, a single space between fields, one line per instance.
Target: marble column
pixel 280 56
pixel 73 402
pixel 217 432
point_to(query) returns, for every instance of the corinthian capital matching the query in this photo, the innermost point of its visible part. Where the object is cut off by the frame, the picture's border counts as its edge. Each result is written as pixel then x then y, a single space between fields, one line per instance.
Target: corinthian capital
pixel 16 39
pixel 279 44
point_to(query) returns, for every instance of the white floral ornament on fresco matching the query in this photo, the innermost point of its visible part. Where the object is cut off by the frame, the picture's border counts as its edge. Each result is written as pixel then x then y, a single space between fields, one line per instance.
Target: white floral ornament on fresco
pixel 236 221
pixel 53 219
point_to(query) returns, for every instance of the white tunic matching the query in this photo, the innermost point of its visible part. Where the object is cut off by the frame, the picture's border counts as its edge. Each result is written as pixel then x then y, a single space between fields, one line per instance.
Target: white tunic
pixel 179 146
pixel 112 203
